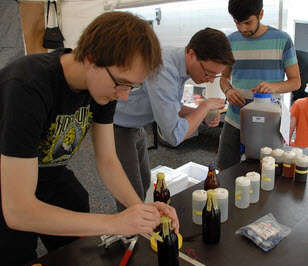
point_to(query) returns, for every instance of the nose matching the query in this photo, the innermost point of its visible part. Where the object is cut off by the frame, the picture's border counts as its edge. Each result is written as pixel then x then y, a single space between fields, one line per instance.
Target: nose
pixel 123 95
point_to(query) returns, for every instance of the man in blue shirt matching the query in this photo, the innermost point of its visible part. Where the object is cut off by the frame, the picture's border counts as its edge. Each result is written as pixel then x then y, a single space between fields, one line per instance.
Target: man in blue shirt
pixel 263 55
pixel 205 57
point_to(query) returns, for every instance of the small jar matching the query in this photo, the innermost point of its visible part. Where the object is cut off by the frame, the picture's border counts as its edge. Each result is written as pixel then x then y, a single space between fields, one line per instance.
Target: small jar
pixel 265 151
pixel 222 196
pixel 254 186
pixel 199 198
pixel 242 192
pixel 297 151
pixel 268 159
pixel 277 154
pixel 301 168
pixel 268 176
pixel 288 166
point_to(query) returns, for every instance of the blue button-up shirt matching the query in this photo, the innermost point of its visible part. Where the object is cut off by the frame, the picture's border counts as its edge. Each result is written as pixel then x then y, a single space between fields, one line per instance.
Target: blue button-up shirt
pixel 159 99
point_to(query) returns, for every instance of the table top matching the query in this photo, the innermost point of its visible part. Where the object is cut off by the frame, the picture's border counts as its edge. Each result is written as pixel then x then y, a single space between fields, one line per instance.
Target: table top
pixel 287 202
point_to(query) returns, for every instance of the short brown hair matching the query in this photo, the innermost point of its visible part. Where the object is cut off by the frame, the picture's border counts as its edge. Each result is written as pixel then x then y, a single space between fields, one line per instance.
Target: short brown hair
pixel 115 38
pixel 211 44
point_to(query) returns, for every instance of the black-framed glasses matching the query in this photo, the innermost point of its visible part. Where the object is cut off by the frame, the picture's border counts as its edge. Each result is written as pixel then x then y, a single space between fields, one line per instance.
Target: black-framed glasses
pixel 206 75
pixel 124 87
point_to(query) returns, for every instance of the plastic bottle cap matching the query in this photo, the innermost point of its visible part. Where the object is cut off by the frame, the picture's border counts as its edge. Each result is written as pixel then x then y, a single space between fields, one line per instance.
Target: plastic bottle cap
pixel 268 166
pixel 289 155
pixel 262 95
pixel 154 241
pixel 266 150
pixel 269 159
pixel 212 165
pixel 277 152
pixel 253 176
pixel 221 193
pixel 297 151
pixel 199 195
pixel 301 160
pixel 242 181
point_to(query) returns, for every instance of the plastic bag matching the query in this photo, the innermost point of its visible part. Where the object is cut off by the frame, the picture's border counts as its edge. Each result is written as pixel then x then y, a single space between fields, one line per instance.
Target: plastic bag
pixel 265 232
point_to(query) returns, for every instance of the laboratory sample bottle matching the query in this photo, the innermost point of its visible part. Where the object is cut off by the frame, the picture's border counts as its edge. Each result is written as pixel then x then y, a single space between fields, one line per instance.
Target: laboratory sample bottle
pixel 222 196
pixel 242 192
pixel 198 202
pixel 211 181
pixel 161 192
pixel 277 154
pixel 254 186
pixel 288 166
pixel 268 176
pixel 301 168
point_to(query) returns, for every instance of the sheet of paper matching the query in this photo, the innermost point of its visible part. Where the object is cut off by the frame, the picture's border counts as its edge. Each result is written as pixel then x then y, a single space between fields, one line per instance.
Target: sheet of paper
pixel 285 122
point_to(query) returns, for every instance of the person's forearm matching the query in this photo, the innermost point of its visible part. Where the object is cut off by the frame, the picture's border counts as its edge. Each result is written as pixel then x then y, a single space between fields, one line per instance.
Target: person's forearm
pixel 115 179
pixel 289 85
pixel 225 84
pixel 36 216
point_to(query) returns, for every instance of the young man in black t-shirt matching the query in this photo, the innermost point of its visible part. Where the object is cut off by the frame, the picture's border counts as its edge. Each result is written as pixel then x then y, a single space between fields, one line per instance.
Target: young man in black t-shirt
pixel 47 104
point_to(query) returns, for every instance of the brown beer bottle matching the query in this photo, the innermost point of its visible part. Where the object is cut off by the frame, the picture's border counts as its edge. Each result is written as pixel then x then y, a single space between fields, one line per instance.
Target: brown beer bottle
pixel 161 192
pixel 211 182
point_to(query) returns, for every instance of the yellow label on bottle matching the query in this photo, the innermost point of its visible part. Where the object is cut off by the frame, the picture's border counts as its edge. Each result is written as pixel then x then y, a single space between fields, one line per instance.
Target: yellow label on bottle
pixel 266 179
pixel 287 165
pixel 301 172
pixel 238 197
pixel 276 164
pixel 197 212
pixel 251 191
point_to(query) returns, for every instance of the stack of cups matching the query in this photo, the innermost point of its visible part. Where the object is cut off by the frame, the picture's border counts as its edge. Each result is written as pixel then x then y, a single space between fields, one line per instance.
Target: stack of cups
pixel 254 186
pixel 277 154
pixel 301 168
pixel 242 192
pixel 268 173
pixel 288 166
pixel 265 151
pixel 222 196
pixel 199 198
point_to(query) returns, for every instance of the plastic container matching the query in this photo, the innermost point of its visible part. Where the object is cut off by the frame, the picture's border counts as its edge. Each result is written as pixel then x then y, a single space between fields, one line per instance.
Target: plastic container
pixel 277 154
pixel 268 176
pixel 199 198
pixel 288 166
pixel 222 196
pixel 297 151
pixel 265 151
pixel 301 168
pixel 260 125
pixel 242 192
pixel 254 186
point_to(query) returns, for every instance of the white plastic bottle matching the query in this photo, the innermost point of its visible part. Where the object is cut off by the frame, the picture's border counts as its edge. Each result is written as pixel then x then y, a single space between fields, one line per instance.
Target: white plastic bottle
pixel 254 186
pixel 242 192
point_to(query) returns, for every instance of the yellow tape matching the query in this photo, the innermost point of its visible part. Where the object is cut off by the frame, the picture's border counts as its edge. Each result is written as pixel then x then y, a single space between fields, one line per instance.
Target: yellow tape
pixel 301 172
pixel 266 179
pixel 251 191
pixel 276 164
pixel 154 240
pixel 197 212
pixel 238 197
pixel 287 165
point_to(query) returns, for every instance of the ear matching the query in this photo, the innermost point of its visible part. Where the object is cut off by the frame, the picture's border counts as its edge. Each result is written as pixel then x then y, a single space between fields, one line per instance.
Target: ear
pixel 191 53
pixel 261 14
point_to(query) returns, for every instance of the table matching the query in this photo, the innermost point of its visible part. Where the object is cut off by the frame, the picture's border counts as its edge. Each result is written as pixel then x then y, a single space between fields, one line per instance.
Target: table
pixel 288 202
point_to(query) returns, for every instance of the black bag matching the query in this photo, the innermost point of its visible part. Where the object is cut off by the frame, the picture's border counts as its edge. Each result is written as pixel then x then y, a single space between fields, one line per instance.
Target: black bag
pixel 53 37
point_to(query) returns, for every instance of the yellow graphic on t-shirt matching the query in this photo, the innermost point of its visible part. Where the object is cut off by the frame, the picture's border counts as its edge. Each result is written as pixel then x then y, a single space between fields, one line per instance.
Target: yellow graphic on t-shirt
pixel 64 137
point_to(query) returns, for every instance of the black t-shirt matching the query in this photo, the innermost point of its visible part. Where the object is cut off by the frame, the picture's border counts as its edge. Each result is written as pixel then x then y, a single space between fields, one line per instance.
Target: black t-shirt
pixel 302 58
pixel 40 116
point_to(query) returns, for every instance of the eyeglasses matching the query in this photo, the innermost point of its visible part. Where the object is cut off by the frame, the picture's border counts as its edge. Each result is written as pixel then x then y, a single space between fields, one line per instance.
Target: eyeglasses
pixel 206 75
pixel 124 87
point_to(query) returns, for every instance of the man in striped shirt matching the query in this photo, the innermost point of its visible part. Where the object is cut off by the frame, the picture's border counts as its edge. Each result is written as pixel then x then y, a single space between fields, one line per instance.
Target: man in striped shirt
pixel 263 55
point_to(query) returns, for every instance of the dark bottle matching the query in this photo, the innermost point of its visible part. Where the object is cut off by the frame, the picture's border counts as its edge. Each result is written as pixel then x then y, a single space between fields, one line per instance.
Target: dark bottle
pixel 168 250
pixel 211 181
pixel 211 219
pixel 161 192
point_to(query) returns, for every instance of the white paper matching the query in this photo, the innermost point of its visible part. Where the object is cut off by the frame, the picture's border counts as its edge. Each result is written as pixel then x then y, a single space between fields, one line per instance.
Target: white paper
pixel 285 122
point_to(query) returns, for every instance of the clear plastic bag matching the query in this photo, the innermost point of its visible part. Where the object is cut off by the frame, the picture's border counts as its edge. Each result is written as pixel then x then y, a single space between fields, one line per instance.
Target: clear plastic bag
pixel 265 232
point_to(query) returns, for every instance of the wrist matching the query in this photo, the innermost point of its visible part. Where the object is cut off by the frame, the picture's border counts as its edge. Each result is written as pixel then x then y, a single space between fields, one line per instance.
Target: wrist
pixel 226 91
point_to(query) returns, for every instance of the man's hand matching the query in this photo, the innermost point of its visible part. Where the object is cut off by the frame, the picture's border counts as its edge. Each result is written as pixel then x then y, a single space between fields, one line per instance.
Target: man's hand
pixel 137 219
pixel 214 103
pixel 170 212
pixel 264 87
pixel 235 98
pixel 215 122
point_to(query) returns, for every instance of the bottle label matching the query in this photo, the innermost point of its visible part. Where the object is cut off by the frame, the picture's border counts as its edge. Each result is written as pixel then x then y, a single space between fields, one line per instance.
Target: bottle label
pixel 197 212
pixel 264 230
pixel 287 165
pixel 301 172
pixel 237 196
pixel 266 179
